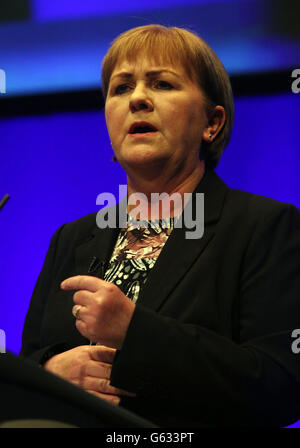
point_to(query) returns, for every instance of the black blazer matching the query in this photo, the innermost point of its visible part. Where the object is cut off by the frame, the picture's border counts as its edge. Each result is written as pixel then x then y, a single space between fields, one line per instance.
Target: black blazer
pixel 210 340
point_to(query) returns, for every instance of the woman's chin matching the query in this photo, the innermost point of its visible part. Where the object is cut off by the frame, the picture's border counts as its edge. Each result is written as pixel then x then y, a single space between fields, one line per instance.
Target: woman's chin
pixel 142 157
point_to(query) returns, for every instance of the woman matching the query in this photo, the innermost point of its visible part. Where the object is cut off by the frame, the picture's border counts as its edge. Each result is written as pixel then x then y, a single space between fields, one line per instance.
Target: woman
pixel 188 331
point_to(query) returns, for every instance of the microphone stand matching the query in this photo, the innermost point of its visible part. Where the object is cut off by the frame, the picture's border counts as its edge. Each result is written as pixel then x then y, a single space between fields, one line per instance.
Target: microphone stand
pixel 4 200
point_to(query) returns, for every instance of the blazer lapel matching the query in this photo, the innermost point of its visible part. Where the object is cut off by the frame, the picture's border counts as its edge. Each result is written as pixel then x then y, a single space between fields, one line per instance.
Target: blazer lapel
pixel 179 253
pixel 92 255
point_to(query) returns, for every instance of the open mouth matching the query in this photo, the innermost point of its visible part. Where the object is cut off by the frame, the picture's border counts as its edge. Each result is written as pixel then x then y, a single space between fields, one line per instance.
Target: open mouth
pixel 142 128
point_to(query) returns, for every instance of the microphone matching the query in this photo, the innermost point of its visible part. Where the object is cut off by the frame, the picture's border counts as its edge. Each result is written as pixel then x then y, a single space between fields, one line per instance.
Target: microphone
pixel 4 200
pixel 96 265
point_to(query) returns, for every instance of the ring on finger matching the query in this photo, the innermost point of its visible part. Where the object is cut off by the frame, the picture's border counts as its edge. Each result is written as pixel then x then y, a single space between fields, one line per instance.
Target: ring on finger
pixel 76 311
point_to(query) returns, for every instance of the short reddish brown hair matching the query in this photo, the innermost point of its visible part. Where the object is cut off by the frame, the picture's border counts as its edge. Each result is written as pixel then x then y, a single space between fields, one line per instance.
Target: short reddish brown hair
pixel 178 46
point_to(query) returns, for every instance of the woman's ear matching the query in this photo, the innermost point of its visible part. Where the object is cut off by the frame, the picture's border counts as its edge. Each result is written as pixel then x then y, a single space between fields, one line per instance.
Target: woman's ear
pixel 215 123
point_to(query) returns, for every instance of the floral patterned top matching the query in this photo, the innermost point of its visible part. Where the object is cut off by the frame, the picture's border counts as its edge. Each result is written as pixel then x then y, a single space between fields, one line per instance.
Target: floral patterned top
pixel 135 253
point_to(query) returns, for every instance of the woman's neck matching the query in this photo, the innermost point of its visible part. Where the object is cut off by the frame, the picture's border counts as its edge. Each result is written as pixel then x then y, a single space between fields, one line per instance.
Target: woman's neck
pixel 163 196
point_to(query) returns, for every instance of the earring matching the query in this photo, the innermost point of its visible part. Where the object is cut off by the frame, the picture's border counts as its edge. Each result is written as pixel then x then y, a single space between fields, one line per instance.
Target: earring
pixel 113 159
pixel 210 135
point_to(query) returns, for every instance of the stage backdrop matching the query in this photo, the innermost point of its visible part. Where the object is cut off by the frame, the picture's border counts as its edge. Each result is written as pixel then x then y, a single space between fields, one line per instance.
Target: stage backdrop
pixel 56 45
pixel 55 165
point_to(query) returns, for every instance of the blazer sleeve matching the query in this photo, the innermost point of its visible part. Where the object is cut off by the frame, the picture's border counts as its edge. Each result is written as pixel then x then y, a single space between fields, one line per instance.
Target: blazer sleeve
pixel 31 336
pixel 189 371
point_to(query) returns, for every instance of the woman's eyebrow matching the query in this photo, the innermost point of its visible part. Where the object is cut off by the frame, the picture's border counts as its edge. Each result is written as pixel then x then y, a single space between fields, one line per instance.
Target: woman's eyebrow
pixel 150 74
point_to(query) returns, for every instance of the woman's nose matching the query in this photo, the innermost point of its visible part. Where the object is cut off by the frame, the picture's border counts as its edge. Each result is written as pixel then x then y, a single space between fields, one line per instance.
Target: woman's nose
pixel 140 100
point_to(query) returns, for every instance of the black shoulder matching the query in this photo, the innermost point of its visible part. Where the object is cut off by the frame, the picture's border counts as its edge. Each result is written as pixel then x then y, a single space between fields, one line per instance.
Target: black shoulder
pixel 258 206
pixel 77 231
pixel 85 224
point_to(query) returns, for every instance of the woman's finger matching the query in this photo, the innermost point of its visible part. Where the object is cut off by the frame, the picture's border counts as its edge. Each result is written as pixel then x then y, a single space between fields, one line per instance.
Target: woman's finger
pixel 112 399
pixel 77 311
pixel 83 297
pixel 103 353
pixel 79 282
pixel 98 385
pixel 98 369
pixel 101 385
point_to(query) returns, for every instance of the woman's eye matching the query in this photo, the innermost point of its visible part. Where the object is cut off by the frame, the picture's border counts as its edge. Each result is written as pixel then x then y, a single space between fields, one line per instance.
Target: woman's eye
pixel 122 88
pixel 164 85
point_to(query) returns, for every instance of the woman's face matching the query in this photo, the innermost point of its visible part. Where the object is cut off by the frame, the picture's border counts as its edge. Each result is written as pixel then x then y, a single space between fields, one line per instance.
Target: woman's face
pixel 154 115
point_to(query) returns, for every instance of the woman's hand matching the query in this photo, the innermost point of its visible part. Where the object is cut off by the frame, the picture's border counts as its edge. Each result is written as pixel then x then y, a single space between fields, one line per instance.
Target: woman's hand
pixel 102 310
pixel 89 367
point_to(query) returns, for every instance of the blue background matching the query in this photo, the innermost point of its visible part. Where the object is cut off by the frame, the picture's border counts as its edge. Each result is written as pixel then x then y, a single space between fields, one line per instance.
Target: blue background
pixel 55 165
